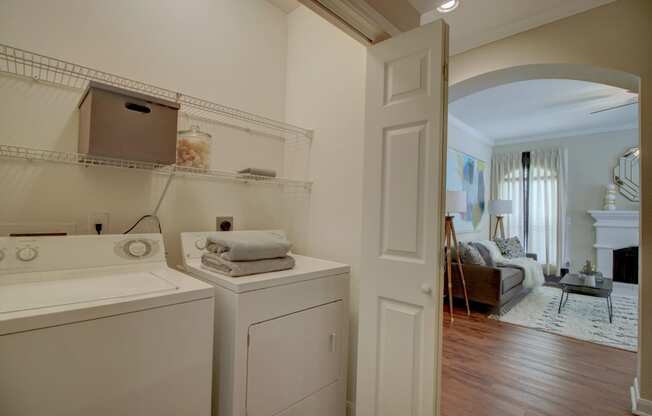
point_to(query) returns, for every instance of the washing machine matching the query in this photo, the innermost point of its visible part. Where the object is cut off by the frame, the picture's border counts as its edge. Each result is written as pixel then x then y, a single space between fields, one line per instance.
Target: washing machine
pixel 280 338
pixel 99 325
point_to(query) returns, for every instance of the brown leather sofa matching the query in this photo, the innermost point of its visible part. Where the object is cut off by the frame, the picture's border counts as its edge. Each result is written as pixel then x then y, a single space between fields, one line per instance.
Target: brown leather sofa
pixel 500 288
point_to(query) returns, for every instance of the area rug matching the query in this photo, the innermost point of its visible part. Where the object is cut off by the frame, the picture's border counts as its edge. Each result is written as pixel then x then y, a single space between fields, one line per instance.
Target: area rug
pixel 583 317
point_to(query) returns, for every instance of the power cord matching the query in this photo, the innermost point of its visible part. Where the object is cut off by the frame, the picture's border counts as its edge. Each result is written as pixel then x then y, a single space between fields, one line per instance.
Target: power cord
pixel 158 223
pixel 158 205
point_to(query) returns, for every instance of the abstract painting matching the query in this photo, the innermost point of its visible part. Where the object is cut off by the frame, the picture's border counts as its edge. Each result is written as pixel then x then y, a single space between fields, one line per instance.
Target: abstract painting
pixel 466 173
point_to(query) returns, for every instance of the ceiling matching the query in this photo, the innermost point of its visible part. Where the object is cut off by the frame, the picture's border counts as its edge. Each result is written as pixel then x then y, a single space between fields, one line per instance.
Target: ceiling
pixel 543 109
pixel 286 5
pixel 477 22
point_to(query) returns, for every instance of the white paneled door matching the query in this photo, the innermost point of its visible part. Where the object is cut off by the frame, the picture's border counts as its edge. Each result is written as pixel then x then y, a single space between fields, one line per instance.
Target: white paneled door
pixel 404 168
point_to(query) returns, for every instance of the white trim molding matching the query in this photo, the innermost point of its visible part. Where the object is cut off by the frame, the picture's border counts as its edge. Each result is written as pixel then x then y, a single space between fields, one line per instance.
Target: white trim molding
pixel 640 407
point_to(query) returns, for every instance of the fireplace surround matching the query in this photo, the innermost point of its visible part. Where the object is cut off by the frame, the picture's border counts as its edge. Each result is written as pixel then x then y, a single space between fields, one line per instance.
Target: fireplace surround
pixel 614 230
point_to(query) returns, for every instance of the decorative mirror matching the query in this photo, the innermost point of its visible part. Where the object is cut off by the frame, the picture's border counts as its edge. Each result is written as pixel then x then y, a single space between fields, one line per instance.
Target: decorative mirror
pixel 627 174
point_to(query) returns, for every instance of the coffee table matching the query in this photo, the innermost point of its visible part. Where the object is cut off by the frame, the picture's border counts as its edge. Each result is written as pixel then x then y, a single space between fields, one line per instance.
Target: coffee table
pixel 585 285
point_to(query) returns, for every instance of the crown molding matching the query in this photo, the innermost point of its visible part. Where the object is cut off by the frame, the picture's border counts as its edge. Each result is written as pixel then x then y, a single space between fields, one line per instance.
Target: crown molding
pixel 564 135
pixel 471 131
pixel 368 21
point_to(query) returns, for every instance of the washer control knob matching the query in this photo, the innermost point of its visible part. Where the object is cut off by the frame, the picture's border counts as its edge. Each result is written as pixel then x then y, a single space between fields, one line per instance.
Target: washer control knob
pixel 200 244
pixel 26 254
pixel 137 248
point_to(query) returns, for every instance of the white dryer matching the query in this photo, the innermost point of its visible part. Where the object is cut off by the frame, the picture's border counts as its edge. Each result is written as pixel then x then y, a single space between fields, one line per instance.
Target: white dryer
pixel 280 337
pixel 99 325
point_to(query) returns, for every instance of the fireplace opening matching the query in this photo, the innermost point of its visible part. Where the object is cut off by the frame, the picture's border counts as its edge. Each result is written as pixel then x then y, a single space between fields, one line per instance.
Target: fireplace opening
pixel 626 265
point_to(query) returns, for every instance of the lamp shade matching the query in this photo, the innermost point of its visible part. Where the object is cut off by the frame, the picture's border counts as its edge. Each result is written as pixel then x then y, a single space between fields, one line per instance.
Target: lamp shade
pixel 455 202
pixel 500 206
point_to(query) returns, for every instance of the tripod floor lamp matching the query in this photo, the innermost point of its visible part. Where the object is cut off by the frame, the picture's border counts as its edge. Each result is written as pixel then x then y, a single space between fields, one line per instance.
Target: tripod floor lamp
pixel 500 208
pixel 455 204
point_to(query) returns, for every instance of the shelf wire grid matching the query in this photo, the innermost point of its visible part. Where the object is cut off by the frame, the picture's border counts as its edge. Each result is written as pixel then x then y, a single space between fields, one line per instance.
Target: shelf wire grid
pixel 39 67
pixel 79 159
pixel 23 63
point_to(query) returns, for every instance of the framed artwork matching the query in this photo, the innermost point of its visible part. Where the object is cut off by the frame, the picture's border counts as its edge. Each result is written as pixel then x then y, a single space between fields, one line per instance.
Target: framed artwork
pixel 466 173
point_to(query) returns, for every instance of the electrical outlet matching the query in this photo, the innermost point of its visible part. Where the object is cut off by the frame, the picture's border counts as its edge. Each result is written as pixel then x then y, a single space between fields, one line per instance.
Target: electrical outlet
pixel 224 224
pixel 98 217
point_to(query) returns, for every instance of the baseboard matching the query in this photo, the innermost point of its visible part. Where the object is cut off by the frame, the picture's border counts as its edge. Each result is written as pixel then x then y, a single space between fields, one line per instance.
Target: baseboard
pixel 640 407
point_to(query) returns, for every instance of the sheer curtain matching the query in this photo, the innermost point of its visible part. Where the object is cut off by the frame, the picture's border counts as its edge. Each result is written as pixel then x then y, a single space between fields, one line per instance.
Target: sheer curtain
pixel 507 183
pixel 547 207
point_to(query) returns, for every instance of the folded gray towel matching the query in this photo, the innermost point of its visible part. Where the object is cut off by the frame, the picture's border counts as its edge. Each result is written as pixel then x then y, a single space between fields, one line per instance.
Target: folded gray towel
pixel 215 262
pixel 258 172
pixel 248 245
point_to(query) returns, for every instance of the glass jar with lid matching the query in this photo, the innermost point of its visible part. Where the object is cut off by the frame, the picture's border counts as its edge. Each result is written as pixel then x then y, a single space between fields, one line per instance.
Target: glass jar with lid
pixel 194 148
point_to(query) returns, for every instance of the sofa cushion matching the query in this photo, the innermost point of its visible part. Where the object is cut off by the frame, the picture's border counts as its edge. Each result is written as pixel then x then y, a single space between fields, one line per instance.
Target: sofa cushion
pixel 486 255
pixel 510 278
pixel 470 255
pixel 510 247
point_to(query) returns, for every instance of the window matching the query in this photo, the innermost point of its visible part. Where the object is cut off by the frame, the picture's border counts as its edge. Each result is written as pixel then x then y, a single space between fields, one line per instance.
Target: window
pixel 534 181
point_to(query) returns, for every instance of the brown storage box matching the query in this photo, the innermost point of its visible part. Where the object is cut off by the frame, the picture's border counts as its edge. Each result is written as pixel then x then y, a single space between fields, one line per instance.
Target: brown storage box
pixel 125 125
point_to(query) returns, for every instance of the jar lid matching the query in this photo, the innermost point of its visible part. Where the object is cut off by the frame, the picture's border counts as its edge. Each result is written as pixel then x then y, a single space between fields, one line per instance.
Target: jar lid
pixel 194 132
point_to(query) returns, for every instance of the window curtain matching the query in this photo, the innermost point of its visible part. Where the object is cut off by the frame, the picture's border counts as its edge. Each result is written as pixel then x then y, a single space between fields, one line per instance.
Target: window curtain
pixel 507 183
pixel 536 183
pixel 547 207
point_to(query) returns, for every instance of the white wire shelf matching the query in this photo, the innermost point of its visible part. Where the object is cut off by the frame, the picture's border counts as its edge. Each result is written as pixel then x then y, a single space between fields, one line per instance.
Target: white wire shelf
pixel 79 159
pixel 39 67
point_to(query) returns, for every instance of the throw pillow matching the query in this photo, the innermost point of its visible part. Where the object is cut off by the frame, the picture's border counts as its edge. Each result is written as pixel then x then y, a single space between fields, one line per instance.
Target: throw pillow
pixel 494 252
pixel 486 255
pixel 471 255
pixel 510 247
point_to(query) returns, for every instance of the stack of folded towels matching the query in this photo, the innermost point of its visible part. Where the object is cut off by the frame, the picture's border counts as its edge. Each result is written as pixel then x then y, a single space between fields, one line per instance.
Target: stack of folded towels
pixel 242 253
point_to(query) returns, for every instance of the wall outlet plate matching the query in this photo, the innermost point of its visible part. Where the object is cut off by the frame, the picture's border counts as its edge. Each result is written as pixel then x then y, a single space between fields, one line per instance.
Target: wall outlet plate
pixel 224 223
pixel 98 217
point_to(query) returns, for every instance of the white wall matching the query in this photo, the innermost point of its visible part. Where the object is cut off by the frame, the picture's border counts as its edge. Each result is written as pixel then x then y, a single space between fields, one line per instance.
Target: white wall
pixel 325 90
pixel 462 140
pixel 230 51
pixel 591 159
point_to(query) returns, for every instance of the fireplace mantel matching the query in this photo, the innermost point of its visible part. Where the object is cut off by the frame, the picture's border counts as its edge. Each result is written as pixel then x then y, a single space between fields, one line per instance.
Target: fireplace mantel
pixel 613 230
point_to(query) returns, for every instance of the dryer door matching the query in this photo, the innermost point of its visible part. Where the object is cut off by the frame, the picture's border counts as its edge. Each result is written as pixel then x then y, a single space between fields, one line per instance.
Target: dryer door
pixel 292 357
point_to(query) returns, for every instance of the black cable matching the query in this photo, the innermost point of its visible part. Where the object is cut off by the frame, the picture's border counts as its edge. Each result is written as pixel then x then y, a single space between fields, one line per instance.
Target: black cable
pixel 158 222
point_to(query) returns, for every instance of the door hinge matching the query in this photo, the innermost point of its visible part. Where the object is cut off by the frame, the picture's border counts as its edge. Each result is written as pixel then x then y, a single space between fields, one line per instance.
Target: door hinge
pixel 444 71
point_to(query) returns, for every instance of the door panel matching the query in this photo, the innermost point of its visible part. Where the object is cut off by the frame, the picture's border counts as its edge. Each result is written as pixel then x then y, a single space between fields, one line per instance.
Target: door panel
pixel 407 77
pixel 405 149
pixel 402 192
pixel 400 327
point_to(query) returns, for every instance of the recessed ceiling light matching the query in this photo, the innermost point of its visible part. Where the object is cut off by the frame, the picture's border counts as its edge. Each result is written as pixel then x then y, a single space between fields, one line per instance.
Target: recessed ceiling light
pixel 448 6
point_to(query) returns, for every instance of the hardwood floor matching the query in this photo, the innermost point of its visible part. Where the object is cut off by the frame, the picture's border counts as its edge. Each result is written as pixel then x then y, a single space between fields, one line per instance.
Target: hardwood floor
pixel 492 368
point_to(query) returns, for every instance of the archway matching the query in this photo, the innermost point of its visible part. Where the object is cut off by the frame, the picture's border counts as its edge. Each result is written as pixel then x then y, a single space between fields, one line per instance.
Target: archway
pixel 578 72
